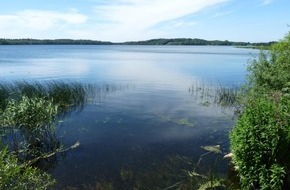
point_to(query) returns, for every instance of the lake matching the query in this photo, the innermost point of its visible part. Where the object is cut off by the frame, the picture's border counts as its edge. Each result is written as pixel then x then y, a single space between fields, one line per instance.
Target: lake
pixel 147 127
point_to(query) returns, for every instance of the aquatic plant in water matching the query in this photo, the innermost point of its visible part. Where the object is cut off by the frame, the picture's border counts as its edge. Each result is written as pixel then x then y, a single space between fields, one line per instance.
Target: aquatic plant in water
pixel 185 122
pixel 215 149
pixel 28 112
pixel 208 94
pixel 27 126
pixel 15 175
pixel 66 95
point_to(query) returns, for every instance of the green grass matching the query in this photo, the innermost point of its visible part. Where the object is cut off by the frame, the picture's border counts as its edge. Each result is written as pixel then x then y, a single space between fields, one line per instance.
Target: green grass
pixel 226 96
pixel 66 95
pixel 207 94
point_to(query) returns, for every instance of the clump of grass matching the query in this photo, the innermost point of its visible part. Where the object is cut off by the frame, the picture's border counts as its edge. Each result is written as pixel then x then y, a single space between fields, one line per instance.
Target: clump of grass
pixel 27 127
pixel 226 96
pixel 66 95
pixel 30 113
pixel 217 95
pixel 5 93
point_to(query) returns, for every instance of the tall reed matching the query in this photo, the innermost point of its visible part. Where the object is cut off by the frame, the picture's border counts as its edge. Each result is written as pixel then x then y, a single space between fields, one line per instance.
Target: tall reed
pixel 215 94
pixel 66 95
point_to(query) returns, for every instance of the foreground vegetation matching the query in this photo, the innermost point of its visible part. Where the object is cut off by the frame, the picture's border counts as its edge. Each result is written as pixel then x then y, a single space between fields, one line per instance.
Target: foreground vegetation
pixel 27 129
pixel 66 95
pixel 260 141
pixel 16 175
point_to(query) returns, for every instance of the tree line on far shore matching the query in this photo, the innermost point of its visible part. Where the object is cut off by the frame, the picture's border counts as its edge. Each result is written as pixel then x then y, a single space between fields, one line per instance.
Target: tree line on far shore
pixel 161 41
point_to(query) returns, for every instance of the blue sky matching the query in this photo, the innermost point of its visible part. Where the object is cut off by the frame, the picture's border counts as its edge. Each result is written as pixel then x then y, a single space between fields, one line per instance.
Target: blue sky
pixel 131 20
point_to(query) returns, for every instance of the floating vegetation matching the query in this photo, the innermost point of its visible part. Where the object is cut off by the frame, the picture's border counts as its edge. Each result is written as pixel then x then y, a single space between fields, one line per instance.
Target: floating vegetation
pixel 204 181
pixel 213 184
pixel 194 177
pixel 182 121
pixel 215 149
pixel 164 118
pixel 185 122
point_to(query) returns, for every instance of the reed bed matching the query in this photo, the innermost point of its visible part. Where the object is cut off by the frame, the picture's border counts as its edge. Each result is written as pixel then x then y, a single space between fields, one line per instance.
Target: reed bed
pixel 227 95
pixel 29 111
pixel 215 94
pixel 67 95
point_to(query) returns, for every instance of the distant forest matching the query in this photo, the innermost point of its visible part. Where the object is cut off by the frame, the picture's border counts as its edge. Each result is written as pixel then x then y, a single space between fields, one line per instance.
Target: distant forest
pixel 195 41
pixel 175 41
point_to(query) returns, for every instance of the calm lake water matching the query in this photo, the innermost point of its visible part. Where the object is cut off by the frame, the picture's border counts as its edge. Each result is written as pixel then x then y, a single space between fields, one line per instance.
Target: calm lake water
pixel 147 126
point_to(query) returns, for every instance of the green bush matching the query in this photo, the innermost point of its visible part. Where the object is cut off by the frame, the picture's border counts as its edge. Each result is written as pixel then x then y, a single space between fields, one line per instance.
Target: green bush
pixel 260 142
pixel 15 176
pixel 271 71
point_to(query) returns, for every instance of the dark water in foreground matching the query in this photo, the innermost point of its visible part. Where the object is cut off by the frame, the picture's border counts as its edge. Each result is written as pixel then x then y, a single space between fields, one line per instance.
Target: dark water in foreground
pixel 147 127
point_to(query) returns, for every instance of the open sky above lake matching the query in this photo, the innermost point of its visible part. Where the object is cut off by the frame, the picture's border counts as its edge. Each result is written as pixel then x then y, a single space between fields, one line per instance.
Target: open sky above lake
pixel 131 20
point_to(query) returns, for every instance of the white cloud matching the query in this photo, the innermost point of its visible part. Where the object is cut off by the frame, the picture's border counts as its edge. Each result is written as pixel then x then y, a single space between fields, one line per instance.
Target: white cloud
pixel 116 20
pixel 38 20
pixel 144 14
pixel 133 17
pixel 43 20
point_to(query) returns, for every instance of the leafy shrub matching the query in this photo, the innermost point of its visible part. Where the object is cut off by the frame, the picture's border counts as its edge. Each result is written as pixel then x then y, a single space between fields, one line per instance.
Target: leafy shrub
pixel 260 142
pixel 17 176
pixel 271 71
